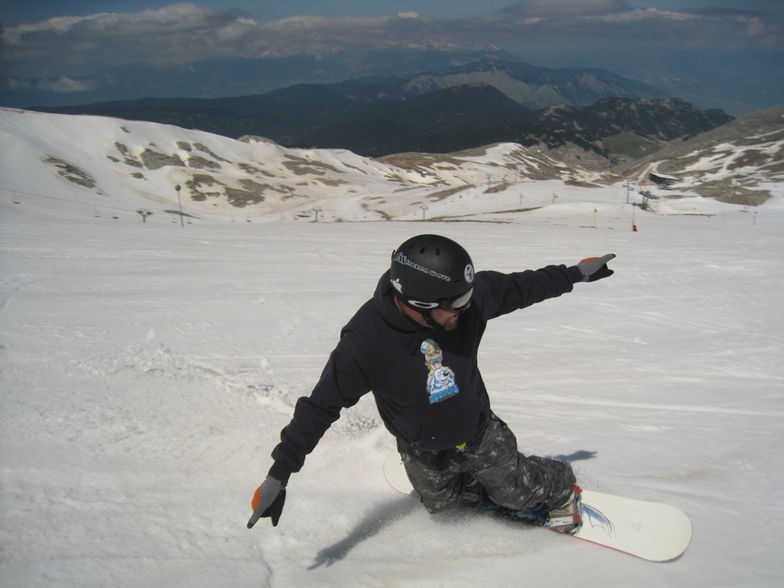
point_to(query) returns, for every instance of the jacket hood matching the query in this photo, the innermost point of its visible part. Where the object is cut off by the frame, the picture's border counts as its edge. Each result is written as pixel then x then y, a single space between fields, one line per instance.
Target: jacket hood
pixel 384 303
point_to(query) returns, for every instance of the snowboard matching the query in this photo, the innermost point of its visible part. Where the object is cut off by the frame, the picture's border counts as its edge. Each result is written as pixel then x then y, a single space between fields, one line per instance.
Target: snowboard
pixel 653 531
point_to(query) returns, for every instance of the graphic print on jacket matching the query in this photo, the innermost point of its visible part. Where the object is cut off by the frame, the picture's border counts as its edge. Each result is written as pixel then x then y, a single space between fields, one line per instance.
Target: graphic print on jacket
pixel 440 379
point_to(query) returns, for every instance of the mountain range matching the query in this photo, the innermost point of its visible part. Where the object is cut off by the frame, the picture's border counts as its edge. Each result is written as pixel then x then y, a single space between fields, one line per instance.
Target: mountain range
pixel 482 102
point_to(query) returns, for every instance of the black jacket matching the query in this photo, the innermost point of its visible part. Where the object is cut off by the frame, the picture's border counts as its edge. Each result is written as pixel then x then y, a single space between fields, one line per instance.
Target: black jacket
pixel 426 382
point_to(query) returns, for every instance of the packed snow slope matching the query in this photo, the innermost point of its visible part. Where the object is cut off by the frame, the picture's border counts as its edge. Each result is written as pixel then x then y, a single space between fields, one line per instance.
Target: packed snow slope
pixel 148 367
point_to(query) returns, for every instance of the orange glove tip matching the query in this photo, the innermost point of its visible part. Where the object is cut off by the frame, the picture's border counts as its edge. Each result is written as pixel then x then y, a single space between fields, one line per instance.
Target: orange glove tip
pixel 256 499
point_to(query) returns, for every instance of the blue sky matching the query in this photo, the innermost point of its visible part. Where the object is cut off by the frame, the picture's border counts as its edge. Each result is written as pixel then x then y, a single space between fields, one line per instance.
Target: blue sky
pixel 725 53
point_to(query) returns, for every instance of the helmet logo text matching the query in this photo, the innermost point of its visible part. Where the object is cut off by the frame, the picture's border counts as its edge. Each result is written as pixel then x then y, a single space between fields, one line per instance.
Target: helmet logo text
pixel 403 260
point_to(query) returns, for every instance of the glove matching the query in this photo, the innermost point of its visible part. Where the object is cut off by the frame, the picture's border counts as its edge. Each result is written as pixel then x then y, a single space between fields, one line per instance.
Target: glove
pixel 268 501
pixel 595 268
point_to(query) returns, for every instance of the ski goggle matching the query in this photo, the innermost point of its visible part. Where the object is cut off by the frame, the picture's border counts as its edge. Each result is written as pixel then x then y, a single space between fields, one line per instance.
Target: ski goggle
pixel 458 304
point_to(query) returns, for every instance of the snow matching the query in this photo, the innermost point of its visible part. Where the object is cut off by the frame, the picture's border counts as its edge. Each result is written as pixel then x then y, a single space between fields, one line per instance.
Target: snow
pixel 147 369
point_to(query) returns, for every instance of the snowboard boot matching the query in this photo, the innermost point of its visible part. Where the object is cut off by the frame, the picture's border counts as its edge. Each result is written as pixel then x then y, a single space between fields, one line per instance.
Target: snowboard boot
pixel 567 518
pixel 472 492
pixel 475 496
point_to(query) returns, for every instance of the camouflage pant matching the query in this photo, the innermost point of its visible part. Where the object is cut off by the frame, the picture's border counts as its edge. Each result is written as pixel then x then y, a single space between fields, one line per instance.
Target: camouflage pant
pixel 510 478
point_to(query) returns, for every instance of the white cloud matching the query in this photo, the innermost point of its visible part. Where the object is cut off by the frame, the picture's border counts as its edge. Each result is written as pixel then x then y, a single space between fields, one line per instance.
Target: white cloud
pixel 325 23
pixel 177 16
pixel 754 26
pixel 237 29
pixel 63 84
pixel 641 14
pixel 567 8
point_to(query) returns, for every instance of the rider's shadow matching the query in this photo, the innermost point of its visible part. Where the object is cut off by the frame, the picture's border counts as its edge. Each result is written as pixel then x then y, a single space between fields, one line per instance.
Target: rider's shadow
pixel 374 522
pixel 576 456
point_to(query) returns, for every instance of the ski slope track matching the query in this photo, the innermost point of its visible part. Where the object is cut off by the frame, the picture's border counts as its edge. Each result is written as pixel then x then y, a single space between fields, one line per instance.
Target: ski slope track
pixel 148 366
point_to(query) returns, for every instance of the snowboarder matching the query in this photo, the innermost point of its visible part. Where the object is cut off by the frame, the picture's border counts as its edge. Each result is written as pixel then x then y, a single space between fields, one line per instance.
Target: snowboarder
pixel 414 345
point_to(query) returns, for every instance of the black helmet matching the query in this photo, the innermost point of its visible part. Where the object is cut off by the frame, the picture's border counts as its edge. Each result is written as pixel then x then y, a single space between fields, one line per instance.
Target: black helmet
pixel 430 271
